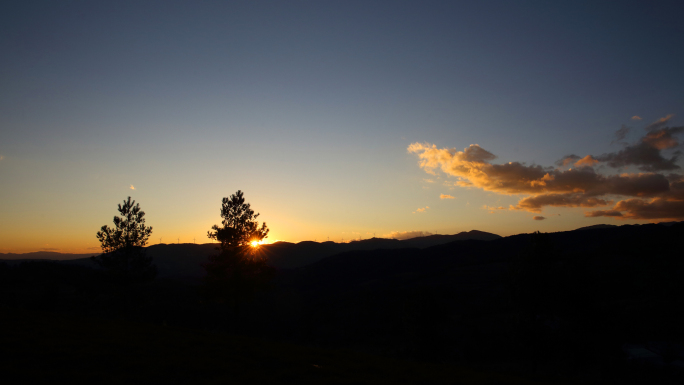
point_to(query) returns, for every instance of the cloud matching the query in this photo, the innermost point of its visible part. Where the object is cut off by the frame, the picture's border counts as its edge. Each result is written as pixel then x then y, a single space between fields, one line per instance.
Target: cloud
pixel 656 208
pixel 621 134
pixel 659 123
pixel 132 187
pixel 2 157
pixel 603 213
pixel 568 159
pixel 516 178
pixel 639 195
pixel 537 202
pixel 428 181
pixel 538 218
pixel 492 209
pixel 587 161
pixel 635 117
pixel 421 210
pixel 446 196
pixel 646 155
pixel 663 139
pixel 400 235
pixel 49 249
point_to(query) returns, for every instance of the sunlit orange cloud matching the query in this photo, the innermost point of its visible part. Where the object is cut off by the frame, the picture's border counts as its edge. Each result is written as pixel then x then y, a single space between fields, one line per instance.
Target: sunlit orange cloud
pixel 132 187
pixel 586 161
pixel 663 139
pixel 446 196
pixel 516 178
pixel 635 117
pixel 421 210
pixel 652 194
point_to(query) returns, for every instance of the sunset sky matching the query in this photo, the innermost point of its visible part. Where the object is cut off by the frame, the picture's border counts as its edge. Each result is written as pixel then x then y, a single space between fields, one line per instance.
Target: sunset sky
pixel 338 119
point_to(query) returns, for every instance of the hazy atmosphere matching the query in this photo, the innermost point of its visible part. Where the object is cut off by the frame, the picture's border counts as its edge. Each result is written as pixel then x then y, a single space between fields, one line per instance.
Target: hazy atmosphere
pixel 340 120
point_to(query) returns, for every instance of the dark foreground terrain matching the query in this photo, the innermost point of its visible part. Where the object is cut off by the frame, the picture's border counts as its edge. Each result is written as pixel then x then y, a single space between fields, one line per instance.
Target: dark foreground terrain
pixel 595 305
pixel 48 348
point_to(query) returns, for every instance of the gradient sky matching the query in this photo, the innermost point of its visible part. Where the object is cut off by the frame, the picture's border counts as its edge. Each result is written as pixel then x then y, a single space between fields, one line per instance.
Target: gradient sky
pixel 310 108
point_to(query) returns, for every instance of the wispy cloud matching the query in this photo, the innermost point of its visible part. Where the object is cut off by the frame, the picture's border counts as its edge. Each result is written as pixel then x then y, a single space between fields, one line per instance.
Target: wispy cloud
pixel 659 123
pixel 567 160
pixel 428 180
pixel 406 234
pixel 492 209
pixel 446 196
pixel 636 117
pixel 421 210
pixel 649 194
pixel 621 134
pixel 538 218
pixel 132 187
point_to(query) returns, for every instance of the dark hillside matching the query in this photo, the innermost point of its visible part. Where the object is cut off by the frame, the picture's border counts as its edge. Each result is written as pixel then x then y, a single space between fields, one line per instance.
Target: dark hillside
pixel 593 304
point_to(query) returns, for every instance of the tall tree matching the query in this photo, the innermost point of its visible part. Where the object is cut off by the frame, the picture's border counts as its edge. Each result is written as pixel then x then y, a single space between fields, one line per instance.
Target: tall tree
pixel 239 270
pixel 123 254
pixel 239 226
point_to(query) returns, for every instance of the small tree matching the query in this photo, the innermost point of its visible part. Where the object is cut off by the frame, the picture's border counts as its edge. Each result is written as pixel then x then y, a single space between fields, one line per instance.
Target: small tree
pixel 239 270
pixel 123 255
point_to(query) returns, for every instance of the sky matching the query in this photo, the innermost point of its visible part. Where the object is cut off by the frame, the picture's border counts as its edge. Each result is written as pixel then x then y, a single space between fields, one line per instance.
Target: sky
pixel 338 120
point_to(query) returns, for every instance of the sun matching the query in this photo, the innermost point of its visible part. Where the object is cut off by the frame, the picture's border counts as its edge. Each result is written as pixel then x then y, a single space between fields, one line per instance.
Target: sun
pixel 255 244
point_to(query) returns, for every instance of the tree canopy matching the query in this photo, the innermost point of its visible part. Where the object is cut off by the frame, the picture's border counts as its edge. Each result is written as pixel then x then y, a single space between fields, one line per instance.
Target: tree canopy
pixel 239 226
pixel 123 255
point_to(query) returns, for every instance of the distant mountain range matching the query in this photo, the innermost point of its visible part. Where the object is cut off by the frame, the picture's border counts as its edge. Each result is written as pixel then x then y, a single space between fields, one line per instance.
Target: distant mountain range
pixel 475 264
pixel 376 257
pixel 185 260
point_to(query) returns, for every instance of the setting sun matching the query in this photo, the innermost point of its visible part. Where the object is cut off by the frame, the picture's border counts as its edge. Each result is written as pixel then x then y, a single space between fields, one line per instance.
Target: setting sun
pixel 255 243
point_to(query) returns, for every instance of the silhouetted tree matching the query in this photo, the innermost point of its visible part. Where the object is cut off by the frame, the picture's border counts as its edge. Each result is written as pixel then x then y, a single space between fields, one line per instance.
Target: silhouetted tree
pixel 239 270
pixel 239 226
pixel 123 255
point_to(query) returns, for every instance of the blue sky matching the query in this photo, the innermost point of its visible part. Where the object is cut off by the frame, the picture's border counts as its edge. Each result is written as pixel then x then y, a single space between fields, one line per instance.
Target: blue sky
pixel 310 107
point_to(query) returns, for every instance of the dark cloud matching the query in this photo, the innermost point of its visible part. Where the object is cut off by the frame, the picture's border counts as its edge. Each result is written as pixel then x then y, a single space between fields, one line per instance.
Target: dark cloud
pixel 603 213
pixel 538 218
pixel 568 159
pixel 654 209
pixel 646 154
pixel 537 202
pixel 621 134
